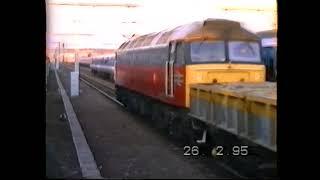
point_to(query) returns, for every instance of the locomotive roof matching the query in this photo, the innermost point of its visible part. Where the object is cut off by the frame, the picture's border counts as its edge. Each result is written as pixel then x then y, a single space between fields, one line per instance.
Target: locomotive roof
pixel 267 33
pixel 210 29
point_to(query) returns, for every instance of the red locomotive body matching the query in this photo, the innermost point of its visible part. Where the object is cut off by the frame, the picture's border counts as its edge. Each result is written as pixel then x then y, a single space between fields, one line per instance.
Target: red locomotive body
pixel 149 80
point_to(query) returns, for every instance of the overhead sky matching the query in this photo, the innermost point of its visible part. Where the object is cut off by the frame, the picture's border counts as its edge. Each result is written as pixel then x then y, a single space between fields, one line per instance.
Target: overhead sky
pixel 107 24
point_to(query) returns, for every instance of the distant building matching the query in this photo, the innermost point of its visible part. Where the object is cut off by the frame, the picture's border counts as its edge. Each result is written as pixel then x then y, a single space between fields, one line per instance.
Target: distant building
pixel 68 55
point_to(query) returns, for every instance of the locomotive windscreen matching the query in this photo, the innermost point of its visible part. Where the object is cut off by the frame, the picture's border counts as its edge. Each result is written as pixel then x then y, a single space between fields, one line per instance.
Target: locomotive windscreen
pixel 215 51
pixel 241 51
pixel 208 51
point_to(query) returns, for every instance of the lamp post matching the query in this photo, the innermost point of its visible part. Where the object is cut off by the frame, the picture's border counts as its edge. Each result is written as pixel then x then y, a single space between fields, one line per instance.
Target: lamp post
pixel 58 59
pixel 63 52
pixel 57 54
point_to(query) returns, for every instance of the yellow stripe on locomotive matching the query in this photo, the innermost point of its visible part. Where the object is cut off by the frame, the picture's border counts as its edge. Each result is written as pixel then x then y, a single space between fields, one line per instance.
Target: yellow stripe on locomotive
pixel 222 73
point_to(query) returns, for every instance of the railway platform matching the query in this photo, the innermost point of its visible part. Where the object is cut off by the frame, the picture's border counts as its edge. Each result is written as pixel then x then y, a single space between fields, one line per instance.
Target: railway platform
pixel 124 145
pixel 61 158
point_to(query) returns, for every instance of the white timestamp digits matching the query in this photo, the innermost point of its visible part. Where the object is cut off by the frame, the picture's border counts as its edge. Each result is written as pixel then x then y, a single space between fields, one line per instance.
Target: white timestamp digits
pixel 240 150
pixel 217 151
pixel 194 150
pixel 236 151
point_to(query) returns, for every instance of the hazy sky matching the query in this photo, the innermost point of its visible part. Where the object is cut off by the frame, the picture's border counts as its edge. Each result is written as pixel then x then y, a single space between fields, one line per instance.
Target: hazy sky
pixel 105 26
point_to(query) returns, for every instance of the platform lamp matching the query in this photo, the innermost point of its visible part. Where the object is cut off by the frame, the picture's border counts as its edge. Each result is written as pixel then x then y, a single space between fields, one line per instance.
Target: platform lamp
pixel 58 59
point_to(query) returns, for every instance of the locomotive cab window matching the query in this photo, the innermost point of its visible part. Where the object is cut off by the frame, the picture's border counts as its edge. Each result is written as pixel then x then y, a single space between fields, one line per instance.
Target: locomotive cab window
pixel 180 56
pixel 242 51
pixel 207 51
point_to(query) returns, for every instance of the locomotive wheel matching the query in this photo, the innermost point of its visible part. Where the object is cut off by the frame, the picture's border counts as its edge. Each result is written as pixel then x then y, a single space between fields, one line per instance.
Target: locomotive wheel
pixel 154 113
pixel 192 134
pixel 143 108
pixel 135 104
pixel 119 96
pixel 132 104
pixel 128 101
pixel 123 97
pixel 161 121
pixel 148 108
pixel 176 128
pixel 158 117
pixel 172 128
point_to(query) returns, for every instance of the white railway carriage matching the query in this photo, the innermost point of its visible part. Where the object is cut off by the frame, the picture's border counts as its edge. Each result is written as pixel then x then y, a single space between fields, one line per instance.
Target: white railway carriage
pixel 104 65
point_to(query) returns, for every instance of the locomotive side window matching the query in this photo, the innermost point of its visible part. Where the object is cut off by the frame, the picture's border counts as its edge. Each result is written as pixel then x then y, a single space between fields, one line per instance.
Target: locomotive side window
pixel 180 54
pixel 208 51
pixel 157 56
pixel 241 51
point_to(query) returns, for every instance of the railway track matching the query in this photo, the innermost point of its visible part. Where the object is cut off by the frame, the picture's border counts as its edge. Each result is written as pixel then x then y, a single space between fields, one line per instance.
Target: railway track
pixel 107 89
pixel 100 85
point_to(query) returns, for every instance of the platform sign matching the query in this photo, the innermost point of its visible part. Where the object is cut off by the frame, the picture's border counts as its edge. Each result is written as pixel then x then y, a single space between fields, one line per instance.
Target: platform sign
pixel 74 89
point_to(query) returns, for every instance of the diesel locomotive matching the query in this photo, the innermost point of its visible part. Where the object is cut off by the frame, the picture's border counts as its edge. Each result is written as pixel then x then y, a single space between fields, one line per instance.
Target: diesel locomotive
pixel 204 83
pixel 154 71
